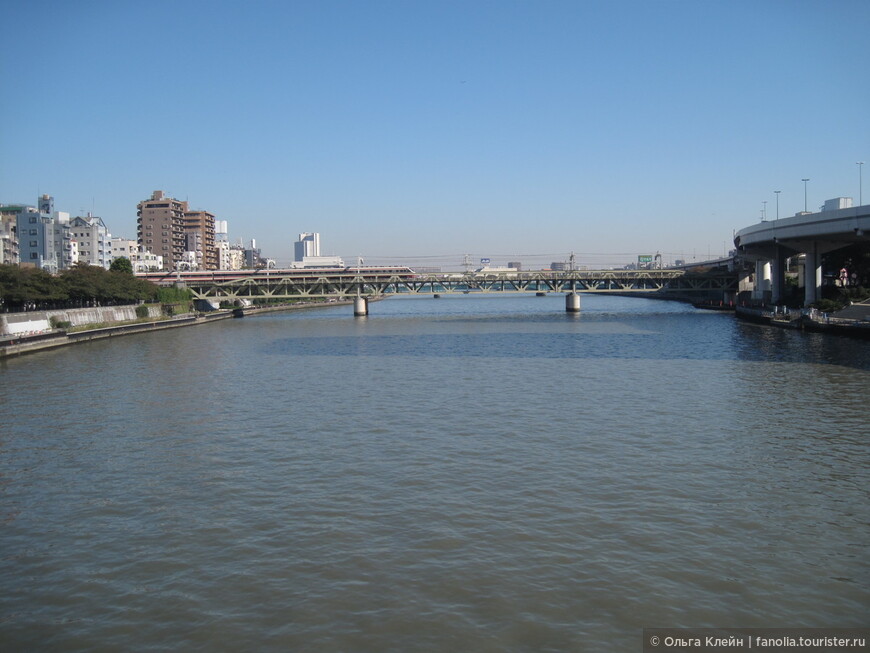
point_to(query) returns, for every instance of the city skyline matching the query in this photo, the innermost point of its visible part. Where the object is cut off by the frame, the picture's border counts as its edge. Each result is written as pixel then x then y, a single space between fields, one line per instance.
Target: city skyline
pixel 400 130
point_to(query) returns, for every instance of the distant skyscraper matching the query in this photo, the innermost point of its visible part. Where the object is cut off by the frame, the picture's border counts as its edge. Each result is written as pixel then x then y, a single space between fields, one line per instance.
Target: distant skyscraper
pixel 308 245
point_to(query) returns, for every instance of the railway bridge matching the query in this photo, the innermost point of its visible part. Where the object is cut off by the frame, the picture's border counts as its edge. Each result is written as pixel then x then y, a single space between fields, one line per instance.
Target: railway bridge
pixel 362 283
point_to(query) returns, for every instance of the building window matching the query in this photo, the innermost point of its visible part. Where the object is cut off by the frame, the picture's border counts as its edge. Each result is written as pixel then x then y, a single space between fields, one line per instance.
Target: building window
pixel 33 219
pixel 34 243
pixel 34 255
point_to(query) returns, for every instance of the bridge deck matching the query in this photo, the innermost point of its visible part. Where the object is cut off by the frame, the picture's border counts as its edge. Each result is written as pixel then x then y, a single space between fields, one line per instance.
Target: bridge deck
pixel 288 284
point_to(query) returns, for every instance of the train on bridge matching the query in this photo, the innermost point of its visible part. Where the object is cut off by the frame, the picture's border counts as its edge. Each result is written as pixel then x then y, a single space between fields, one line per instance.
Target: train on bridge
pixel 186 277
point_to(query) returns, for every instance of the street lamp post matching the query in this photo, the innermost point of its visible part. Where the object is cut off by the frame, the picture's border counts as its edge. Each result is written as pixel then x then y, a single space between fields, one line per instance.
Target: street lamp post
pixel 805 193
pixel 777 203
pixel 860 165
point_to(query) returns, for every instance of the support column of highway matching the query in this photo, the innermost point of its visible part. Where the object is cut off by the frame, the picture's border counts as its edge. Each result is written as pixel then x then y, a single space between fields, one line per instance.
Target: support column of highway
pixel 812 274
pixel 761 287
pixel 360 306
pixel 778 290
pixel 766 280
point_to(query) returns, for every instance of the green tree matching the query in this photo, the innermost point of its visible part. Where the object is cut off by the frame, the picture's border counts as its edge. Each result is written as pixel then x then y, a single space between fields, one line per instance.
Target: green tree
pixel 86 283
pixel 121 264
pixel 12 291
pixel 22 288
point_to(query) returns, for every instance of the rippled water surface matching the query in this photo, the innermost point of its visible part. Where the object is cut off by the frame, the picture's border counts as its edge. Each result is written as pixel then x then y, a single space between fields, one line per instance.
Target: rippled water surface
pixel 462 474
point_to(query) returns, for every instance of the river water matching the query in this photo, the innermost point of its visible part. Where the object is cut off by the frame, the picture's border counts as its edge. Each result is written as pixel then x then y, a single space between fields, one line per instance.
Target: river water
pixel 461 474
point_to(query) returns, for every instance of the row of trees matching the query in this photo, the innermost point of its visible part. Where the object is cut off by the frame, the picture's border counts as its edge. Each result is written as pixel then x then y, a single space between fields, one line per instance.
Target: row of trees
pixel 23 288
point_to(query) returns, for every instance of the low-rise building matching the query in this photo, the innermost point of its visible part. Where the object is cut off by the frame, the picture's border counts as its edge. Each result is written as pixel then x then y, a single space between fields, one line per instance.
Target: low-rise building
pixel 124 248
pixel 8 236
pixel 146 262
pixel 235 257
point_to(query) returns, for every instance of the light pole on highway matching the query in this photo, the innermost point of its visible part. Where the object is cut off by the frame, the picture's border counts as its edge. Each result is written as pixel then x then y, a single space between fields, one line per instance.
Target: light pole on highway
pixel 805 193
pixel 777 203
pixel 860 165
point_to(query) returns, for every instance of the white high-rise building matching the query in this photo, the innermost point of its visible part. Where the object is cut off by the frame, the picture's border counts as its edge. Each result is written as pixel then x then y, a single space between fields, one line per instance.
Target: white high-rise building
pixel 220 231
pixel 308 246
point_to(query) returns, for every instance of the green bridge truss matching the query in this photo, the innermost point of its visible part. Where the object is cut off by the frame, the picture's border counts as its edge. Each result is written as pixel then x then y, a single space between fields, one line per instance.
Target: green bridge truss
pixel 345 284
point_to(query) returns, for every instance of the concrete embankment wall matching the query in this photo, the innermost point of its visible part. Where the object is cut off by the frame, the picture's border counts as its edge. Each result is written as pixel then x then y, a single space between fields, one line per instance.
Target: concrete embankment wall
pixel 36 321
pixel 15 345
pixel 32 331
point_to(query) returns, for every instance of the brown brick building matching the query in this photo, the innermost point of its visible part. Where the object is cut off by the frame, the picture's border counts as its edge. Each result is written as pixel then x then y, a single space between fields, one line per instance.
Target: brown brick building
pixel 160 227
pixel 202 222
pixel 166 226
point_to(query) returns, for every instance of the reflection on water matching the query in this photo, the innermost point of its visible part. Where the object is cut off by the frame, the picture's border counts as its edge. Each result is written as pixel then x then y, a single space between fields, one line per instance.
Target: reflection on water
pixel 471 473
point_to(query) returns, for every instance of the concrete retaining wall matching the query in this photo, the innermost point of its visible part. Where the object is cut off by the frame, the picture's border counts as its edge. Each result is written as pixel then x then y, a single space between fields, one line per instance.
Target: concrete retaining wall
pixel 38 321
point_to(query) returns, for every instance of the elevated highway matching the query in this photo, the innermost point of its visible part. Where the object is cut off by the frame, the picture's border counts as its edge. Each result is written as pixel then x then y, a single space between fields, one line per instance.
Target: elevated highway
pixel 770 243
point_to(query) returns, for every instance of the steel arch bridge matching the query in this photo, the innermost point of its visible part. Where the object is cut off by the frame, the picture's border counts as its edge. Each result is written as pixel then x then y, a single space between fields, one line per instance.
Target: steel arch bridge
pixel 347 283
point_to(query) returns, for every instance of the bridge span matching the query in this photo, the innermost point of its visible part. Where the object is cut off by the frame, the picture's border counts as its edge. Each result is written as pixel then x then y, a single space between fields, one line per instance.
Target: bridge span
pixel 244 286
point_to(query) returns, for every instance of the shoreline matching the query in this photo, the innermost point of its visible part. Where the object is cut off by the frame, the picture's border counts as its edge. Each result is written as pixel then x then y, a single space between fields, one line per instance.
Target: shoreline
pixel 805 320
pixel 19 345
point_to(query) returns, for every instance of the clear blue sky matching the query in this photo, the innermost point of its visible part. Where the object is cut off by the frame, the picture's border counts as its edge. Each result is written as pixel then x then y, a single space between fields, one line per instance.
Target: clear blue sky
pixel 424 128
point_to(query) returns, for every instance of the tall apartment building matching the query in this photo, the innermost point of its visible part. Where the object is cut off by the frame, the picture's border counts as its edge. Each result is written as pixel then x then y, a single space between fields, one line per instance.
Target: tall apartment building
pixel 93 241
pixel 307 246
pixel 44 236
pixel 160 227
pixel 203 224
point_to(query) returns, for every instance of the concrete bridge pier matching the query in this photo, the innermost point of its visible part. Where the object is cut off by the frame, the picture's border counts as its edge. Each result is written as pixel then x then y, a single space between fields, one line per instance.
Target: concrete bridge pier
pixel 779 262
pixel 761 289
pixel 361 306
pixel 812 275
pixel 572 302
